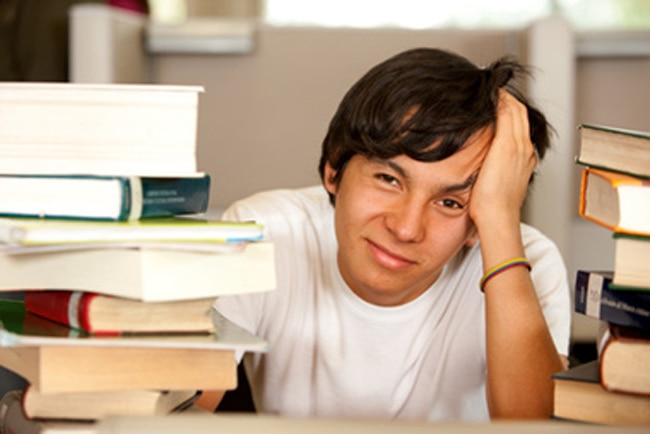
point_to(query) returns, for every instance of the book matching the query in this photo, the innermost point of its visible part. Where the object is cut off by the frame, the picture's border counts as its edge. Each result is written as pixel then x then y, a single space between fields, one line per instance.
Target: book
pixel 631 265
pixel 174 229
pixel 102 314
pixel 595 297
pixel 615 201
pixel 102 197
pixel 625 360
pixel 56 359
pixel 616 149
pixel 579 396
pixel 14 421
pixel 146 274
pixel 18 327
pixel 67 369
pixel 97 405
pixel 98 129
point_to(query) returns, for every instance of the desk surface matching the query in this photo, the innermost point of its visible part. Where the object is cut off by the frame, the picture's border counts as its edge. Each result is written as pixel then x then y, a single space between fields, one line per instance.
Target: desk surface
pixel 199 423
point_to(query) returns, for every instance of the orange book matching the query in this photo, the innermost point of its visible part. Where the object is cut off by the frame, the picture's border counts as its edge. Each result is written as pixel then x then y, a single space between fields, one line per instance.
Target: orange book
pixel 616 201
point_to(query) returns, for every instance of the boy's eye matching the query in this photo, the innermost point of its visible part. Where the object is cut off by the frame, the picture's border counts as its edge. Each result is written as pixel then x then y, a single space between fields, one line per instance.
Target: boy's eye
pixel 450 203
pixel 386 178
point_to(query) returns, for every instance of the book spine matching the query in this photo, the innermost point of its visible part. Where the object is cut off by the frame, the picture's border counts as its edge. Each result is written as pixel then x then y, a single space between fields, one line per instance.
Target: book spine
pixel 69 308
pixel 595 298
pixel 161 197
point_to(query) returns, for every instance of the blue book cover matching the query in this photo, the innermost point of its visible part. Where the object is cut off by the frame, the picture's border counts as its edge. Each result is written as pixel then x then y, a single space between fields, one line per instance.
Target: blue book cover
pixel 596 297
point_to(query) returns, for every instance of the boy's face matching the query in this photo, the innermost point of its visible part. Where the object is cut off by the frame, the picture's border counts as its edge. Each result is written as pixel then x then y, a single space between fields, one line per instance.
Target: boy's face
pixel 399 221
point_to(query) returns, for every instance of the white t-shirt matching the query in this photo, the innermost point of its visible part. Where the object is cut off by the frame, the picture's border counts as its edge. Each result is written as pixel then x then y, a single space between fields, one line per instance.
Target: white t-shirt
pixel 332 354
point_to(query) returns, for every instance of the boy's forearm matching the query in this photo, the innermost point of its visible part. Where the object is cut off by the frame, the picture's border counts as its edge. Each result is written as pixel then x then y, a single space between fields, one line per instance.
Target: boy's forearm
pixel 210 399
pixel 521 354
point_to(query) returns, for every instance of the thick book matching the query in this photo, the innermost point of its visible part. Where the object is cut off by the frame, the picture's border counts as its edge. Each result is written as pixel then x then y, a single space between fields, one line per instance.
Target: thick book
pixel 102 197
pixel 631 261
pixel 617 149
pixel 625 360
pixel 98 129
pixel 31 231
pixel 615 201
pixel 14 421
pixel 98 405
pixel 596 297
pixel 56 359
pixel 103 314
pixel 579 396
pixel 143 273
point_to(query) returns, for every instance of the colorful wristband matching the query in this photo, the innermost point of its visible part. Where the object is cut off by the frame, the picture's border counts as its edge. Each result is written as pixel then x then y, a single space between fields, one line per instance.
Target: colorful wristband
pixel 499 268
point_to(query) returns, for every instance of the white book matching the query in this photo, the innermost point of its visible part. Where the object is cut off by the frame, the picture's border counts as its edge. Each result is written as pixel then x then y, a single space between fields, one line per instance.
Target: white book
pixel 98 129
pixel 147 274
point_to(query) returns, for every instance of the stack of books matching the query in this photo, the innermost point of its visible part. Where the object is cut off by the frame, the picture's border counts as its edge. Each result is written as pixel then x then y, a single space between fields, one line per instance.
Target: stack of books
pixel 103 228
pixel 615 194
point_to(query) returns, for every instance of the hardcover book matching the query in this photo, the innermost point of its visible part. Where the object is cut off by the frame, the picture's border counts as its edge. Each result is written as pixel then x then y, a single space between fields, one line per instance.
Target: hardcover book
pixel 98 129
pixel 103 314
pixel 97 405
pixel 625 360
pixel 102 197
pixel 616 201
pixel 579 396
pixel 14 421
pixel 616 149
pixel 631 265
pixel 597 298
pixel 19 328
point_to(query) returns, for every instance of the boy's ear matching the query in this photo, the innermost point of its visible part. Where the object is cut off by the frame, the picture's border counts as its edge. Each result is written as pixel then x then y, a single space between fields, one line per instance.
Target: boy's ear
pixel 472 239
pixel 329 179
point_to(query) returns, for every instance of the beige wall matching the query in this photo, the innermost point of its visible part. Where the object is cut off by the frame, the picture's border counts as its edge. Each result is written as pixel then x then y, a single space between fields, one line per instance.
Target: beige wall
pixel 263 116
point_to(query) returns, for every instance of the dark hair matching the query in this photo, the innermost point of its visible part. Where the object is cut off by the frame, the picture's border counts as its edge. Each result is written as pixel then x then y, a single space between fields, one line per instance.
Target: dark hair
pixel 421 97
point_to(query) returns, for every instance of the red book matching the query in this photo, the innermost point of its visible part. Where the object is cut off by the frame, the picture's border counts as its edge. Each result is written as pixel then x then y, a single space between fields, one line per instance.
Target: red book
pixel 104 314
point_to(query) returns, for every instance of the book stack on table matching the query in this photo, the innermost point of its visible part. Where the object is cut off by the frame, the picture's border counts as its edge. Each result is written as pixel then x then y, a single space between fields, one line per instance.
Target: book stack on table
pixel 103 231
pixel 615 194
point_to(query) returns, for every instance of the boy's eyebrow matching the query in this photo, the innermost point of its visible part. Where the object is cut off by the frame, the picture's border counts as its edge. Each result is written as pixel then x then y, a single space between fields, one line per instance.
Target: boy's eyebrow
pixel 465 185
pixel 461 186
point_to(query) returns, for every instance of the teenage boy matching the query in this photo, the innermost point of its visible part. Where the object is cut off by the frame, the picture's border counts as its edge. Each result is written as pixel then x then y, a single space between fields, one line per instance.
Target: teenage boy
pixel 408 287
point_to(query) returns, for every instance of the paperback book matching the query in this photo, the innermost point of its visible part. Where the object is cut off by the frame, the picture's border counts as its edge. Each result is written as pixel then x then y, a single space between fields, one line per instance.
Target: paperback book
pixel 164 229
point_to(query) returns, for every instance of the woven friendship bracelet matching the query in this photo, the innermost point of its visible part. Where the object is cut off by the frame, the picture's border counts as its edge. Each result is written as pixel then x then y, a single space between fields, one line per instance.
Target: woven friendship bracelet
pixel 499 268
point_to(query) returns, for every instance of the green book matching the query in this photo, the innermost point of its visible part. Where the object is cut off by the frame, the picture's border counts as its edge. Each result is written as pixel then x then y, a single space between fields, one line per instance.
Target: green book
pixel 102 197
pixel 631 265
pixel 616 149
